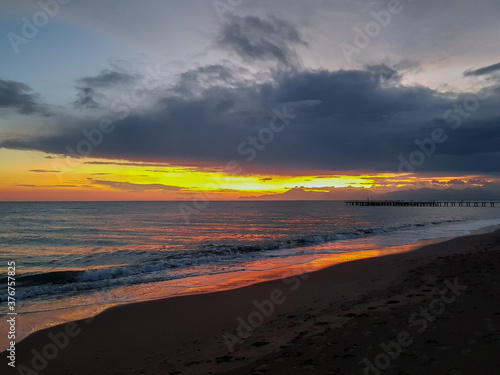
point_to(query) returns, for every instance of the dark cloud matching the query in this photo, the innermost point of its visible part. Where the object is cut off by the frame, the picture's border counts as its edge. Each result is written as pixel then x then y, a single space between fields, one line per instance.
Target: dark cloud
pixel 47 186
pixel 256 38
pixel 456 182
pixel 476 181
pixel 129 186
pixel 89 88
pixel 44 170
pixel 137 164
pixel 483 71
pixel 345 120
pixel 19 96
pixel 107 79
pixel 87 99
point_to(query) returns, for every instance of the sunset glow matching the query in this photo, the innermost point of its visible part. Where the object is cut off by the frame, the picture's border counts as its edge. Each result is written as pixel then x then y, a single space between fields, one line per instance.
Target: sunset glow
pixel 38 176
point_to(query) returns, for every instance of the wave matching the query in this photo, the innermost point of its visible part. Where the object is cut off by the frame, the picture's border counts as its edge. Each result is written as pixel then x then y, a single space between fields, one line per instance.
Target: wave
pixel 227 249
pixel 107 273
pixel 160 266
pixel 74 283
pixel 55 277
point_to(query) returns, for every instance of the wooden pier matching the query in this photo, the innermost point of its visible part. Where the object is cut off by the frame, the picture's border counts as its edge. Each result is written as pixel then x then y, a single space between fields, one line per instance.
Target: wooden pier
pixel 429 203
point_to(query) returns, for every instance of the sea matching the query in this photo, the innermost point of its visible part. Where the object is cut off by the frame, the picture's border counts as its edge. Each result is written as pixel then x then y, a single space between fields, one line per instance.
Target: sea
pixel 75 259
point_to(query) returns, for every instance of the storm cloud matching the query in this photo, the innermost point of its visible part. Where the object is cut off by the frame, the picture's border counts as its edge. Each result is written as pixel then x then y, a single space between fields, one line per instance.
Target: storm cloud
pixel 348 119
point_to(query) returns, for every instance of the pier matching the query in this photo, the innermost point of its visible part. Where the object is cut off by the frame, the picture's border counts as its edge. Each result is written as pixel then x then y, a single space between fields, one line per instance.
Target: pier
pixel 426 203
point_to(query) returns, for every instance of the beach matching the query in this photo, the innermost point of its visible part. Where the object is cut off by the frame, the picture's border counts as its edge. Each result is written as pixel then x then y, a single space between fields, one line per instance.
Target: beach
pixel 250 187
pixel 429 311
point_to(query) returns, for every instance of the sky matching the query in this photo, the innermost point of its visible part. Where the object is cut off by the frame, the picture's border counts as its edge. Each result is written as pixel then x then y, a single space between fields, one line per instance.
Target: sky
pixel 248 99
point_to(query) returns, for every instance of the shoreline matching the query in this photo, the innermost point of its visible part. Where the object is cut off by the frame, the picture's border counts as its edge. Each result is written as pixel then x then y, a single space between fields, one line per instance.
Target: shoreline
pixel 207 284
pixel 46 318
pixel 220 321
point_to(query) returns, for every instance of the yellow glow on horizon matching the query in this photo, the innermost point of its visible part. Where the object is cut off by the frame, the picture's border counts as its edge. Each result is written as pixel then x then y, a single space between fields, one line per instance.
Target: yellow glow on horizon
pixel 33 175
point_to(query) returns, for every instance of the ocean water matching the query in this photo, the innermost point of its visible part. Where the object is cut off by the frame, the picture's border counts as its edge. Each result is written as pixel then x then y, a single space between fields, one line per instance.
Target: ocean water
pixel 74 259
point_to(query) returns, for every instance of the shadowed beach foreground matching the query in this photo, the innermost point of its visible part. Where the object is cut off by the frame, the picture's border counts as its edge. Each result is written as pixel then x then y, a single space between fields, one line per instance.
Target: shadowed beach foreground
pixel 435 310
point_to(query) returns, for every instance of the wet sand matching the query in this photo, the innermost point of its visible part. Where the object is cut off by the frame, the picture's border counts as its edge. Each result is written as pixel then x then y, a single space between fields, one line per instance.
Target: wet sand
pixel 435 310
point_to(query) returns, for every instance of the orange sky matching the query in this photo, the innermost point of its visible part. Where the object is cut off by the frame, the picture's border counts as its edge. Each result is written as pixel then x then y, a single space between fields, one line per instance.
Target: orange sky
pixel 32 176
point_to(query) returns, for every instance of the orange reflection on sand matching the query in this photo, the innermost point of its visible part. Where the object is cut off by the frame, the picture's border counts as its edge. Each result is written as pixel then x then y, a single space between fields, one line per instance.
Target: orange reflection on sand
pixel 357 255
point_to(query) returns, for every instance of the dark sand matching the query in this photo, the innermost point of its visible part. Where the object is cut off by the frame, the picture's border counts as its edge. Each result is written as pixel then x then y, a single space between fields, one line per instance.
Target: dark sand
pixel 327 322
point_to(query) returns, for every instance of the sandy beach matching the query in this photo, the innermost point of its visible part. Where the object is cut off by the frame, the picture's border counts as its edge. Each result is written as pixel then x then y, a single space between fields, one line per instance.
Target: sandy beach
pixel 434 310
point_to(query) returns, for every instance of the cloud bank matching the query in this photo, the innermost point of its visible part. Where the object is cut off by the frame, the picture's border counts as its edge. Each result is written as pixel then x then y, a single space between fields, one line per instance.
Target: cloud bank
pixel 361 119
